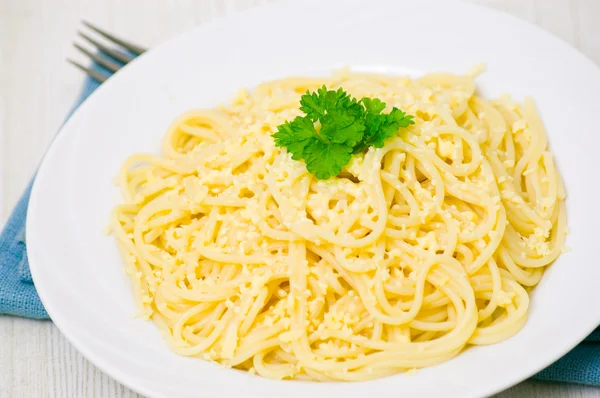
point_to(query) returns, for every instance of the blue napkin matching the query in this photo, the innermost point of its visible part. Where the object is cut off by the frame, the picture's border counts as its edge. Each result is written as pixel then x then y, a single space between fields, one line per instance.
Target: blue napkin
pixel 19 297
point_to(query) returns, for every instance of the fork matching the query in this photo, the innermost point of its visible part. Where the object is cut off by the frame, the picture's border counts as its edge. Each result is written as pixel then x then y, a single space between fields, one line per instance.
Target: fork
pixel 110 57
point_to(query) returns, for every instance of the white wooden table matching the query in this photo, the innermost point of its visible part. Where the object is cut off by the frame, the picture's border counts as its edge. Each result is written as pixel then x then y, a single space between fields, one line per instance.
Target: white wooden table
pixel 37 88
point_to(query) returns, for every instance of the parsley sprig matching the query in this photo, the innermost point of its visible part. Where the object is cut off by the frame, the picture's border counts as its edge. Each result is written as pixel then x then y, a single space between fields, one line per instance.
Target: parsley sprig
pixel 335 127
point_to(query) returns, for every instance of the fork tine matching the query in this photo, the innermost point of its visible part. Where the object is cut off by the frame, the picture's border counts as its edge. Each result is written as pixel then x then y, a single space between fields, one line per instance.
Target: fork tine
pixel 118 55
pixel 111 66
pixel 98 76
pixel 130 46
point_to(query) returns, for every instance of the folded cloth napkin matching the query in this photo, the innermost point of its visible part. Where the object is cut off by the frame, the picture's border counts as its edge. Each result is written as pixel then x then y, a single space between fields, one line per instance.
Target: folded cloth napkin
pixel 19 297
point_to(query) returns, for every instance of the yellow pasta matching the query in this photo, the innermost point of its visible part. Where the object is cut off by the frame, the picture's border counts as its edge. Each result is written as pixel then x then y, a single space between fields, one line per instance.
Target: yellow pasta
pixel 244 258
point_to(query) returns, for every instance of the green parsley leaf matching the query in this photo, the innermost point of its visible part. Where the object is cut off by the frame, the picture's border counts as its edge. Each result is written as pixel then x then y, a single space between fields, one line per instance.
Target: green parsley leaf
pixel 313 105
pixel 341 116
pixel 326 160
pixel 316 105
pixel 295 135
pixel 344 127
pixel 381 126
pixel 373 105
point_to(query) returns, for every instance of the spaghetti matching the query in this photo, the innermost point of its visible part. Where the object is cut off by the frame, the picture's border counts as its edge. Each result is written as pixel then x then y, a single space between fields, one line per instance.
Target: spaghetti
pixel 244 258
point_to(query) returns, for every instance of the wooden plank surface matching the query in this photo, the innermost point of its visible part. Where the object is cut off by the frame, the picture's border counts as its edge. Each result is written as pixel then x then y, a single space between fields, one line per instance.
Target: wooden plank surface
pixel 37 88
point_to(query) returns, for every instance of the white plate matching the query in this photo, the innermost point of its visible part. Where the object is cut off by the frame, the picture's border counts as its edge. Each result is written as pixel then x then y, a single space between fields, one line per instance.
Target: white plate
pixel 78 272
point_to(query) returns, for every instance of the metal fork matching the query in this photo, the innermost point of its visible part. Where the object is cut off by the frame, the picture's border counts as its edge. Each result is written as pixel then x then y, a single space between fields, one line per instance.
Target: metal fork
pixel 110 57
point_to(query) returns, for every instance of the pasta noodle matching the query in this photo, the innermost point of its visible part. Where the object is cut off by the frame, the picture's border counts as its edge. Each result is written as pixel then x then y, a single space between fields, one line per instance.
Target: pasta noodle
pixel 242 257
